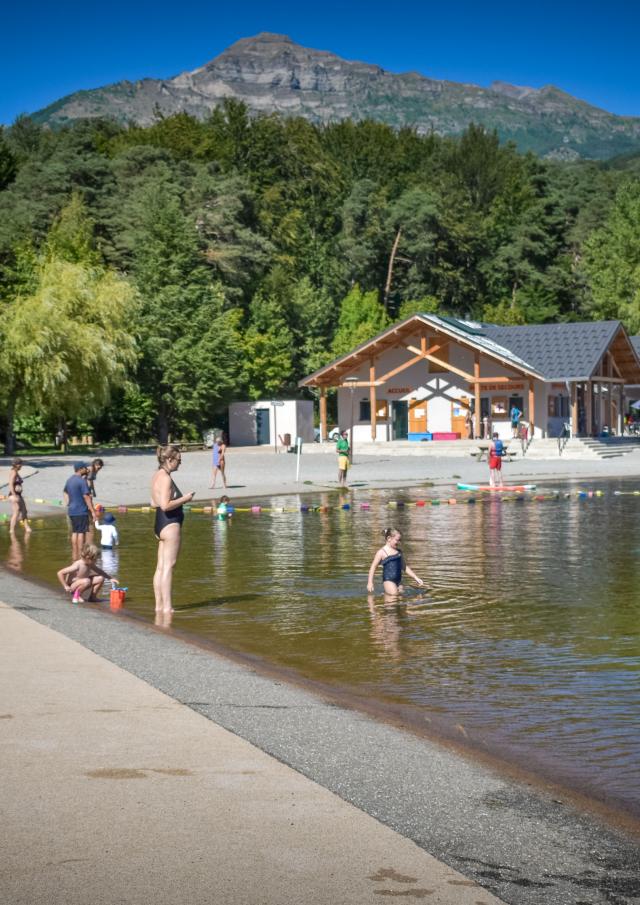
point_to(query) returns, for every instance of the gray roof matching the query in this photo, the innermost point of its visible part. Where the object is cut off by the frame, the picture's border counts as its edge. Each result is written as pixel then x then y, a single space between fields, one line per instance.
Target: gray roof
pixel 635 342
pixel 481 338
pixel 558 351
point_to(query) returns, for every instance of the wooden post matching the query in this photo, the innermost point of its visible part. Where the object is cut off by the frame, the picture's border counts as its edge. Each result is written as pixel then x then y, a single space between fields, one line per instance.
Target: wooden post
pixel 574 409
pixel 532 409
pixel 620 425
pixel 323 415
pixel 588 399
pixel 476 395
pixel 372 399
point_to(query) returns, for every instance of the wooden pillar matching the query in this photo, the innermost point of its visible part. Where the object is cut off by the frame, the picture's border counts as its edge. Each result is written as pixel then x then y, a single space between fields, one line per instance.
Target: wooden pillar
pixel 532 409
pixel 588 408
pixel 372 399
pixel 620 424
pixel 574 409
pixel 476 395
pixel 323 415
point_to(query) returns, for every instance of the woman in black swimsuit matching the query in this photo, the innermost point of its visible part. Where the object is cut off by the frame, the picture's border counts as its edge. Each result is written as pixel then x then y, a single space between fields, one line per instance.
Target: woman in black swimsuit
pixel 18 505
pixel 393 565
pixel 168 502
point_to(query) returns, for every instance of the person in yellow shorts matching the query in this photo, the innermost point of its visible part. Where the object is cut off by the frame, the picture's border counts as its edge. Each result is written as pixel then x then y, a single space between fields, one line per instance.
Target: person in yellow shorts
pixel 343 450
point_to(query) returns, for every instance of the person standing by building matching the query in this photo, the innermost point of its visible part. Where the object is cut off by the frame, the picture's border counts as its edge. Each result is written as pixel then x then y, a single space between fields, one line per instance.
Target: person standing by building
pixel 515 415
pixel 468 423
pixel 77 499
pixel 344 451
pixel 18 505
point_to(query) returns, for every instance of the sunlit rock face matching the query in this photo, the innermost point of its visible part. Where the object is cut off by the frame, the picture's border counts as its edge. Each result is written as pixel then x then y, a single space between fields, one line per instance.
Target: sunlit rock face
pixel 272 74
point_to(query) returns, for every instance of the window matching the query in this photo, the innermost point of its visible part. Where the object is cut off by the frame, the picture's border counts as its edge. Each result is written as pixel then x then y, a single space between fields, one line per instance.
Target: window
pixel 552 406
pixel 365 410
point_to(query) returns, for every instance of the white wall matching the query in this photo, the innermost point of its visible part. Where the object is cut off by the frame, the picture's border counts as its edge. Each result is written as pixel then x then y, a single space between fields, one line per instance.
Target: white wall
pixel 294 417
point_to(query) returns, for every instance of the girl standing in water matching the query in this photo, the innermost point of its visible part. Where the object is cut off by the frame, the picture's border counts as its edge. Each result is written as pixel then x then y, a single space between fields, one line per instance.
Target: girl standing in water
pixel 393 565
pixel 168 502
pixel 18 505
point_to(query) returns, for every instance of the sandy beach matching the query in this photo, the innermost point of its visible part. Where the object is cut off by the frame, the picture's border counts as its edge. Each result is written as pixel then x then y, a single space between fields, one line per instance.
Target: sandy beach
pixel 257 472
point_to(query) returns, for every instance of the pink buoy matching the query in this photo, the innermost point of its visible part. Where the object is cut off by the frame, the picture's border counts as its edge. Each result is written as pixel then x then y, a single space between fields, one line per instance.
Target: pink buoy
pixel 365 506
pixel 122 508
pixel 256 510
pixel 452 501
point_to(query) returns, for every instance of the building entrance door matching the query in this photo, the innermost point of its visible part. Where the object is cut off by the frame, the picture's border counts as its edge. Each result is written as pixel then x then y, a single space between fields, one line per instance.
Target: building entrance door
pixel 417 416
pixel 459 411
pixel 263 429
pixel 400 420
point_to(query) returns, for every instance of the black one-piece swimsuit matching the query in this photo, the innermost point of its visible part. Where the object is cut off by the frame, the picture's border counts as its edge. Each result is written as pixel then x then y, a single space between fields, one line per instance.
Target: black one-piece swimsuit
pixel 173 516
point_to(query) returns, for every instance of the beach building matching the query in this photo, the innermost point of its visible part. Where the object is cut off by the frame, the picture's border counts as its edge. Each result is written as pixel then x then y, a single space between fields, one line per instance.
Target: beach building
pixel 271 422
pixel 428 377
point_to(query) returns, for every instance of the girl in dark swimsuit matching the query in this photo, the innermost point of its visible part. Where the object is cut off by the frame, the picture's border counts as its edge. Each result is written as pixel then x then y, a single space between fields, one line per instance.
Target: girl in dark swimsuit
pixel 169 503
pixel 18 505
pixel 393 565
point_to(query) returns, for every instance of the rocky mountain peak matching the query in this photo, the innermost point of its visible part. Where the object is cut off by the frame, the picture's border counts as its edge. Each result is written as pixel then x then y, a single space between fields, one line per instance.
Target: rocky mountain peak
pixel 272 74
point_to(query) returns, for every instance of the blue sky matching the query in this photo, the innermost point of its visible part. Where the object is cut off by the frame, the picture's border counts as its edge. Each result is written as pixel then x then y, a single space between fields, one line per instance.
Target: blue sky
pixel 589 49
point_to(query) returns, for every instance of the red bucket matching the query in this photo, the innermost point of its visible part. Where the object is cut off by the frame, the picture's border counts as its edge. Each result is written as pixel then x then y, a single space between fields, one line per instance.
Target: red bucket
pixel 117 598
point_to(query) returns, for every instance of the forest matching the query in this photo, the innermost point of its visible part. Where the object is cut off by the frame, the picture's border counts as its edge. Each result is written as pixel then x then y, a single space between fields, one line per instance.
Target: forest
pixel 149 276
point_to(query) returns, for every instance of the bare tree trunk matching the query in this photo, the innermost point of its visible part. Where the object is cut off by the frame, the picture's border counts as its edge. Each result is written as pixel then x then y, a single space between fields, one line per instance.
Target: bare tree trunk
pixel 9 439
pixel 163 426
pixel 387 287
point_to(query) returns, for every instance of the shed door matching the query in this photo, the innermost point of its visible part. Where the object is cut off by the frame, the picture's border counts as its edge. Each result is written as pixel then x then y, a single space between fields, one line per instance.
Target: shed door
pixel 417 416
pixel 263 431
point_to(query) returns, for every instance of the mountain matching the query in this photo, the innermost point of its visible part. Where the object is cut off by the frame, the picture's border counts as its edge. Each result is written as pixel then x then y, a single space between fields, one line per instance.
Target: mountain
pixel 271 73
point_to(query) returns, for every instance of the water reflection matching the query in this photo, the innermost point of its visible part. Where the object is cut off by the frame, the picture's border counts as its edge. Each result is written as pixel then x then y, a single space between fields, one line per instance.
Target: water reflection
pixel 528 635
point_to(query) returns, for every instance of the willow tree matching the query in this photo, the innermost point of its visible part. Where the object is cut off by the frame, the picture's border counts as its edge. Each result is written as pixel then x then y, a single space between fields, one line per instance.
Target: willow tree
pixel 66 344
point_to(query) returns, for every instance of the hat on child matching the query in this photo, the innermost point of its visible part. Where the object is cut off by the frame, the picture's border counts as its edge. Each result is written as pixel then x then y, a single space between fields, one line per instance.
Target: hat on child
pixel 109 519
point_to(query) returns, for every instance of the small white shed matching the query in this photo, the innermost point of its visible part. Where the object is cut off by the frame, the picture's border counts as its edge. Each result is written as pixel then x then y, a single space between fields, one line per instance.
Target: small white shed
pixel 261 423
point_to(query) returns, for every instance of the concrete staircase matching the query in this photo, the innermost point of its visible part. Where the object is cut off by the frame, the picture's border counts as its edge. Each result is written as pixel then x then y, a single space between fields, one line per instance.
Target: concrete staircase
pixel 582 448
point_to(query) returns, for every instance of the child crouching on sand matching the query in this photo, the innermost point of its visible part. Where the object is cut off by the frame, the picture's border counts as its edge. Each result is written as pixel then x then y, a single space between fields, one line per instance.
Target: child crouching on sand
pixel 83 578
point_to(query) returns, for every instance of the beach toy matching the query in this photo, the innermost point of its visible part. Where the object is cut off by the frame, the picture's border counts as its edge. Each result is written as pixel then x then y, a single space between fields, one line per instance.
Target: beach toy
pixel 117 597
pixel 419 502
pixel 346 505
pixel 256 510
pixel 365 506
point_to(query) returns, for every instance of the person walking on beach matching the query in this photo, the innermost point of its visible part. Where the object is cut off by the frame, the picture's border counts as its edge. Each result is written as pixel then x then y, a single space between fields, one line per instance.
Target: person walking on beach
pixel 168 503
pixel 96 466
pixel 496 452
pixel 18 505
pixel 393 565
pixel 219 462
pixel 343 449
pixel 77 499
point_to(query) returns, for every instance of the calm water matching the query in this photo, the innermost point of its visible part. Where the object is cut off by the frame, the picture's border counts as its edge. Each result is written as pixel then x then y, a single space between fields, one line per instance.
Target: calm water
pixel 529 637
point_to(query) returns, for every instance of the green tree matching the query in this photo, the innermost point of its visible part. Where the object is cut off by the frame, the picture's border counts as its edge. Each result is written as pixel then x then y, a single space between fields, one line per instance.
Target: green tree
pixel 361 317
pixel 612 257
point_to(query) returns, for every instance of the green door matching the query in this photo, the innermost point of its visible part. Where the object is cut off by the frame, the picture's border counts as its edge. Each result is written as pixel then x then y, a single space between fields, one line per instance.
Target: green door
pixel 400 420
